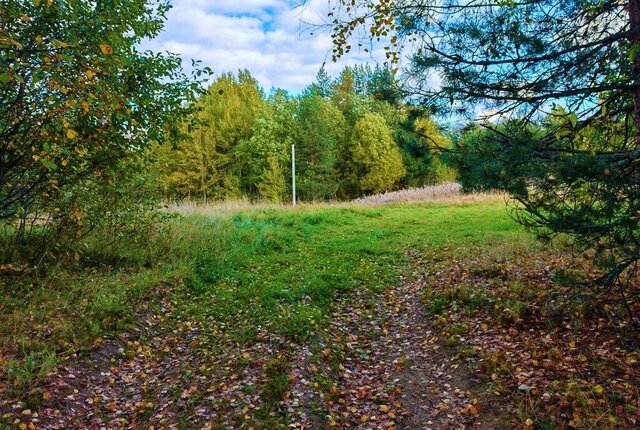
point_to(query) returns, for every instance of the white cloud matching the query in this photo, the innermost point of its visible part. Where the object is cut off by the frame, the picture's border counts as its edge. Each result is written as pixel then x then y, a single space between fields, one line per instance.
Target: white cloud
pixel 233 7
pixel 268 37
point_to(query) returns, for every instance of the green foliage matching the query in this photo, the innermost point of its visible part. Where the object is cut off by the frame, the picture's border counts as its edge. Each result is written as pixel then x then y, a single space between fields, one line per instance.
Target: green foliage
pixel 343 96
pixel 375 157
pixel 378 83
pixel 272 186
pixel 321 129
pixel 322 86
pixel 240 144
pixel 274 131
pixel 421 142
pixel 78 103
pixel 203 163
pixel 476 160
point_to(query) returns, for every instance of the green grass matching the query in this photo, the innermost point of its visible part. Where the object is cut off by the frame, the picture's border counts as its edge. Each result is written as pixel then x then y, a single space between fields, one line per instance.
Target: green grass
pixel 284 267
pixel 265 267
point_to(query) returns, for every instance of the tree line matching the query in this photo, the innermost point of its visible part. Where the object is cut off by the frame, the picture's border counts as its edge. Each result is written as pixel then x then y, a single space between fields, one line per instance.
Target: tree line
pixel 353 135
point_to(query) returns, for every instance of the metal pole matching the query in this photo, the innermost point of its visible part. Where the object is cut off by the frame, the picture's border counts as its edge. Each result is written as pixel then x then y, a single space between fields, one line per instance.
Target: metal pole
pixel 293 173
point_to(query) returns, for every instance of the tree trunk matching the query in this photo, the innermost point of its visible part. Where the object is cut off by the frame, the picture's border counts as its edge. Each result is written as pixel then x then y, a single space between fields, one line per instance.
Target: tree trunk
pixel 634 38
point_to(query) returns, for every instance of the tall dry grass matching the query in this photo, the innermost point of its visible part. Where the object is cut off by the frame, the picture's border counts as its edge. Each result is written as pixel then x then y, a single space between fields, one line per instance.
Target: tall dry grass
pixel 449 193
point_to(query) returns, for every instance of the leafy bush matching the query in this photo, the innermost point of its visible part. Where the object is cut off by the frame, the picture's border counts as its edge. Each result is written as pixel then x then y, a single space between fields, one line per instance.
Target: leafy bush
pixel 78 102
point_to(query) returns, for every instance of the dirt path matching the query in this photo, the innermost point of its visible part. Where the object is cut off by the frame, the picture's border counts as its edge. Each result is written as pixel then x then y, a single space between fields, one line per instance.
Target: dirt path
pixel 379 364
pixel 395 371
pixel 441 391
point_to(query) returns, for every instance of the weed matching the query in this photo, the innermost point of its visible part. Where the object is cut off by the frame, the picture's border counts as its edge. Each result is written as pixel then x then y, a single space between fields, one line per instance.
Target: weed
pixel 27 372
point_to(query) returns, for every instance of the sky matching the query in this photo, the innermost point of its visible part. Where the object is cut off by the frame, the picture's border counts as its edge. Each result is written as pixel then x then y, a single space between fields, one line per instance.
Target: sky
pixel 278 43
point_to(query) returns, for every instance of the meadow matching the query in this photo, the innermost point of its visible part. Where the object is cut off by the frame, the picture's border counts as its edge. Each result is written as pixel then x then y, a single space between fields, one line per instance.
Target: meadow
pixel 228 310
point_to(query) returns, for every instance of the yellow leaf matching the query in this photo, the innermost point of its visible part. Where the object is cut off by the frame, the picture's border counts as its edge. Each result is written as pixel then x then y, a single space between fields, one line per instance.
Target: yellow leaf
pixel 85 106
pixel 46 395
pixel 529 422
pixel 598 389
pixel 383 408
pixel 71 134
pixel 106 49
pixel 89 74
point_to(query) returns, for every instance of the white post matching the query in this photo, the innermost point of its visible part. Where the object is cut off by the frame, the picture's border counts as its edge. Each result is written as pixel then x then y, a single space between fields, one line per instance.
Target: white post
pixel 293 173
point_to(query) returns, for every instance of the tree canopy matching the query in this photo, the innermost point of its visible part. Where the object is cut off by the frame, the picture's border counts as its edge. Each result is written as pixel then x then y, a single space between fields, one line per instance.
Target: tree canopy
pixel 375 156
pixel 77 98
pixel 350 135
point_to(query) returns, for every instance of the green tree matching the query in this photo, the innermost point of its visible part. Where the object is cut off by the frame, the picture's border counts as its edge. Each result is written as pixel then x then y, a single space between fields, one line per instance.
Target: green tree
pixel 321 129
pixel 344 97
pixel 377 82
pixel 274 131
pixel 322 86
pixel 77 98
pixel 376 158
pixel 204 163
pixel 352 93
pixel 273 186
pixel 188 169
pixel 421 142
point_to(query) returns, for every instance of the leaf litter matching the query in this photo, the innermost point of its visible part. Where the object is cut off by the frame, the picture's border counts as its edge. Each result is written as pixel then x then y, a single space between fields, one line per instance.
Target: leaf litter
pixel 450 347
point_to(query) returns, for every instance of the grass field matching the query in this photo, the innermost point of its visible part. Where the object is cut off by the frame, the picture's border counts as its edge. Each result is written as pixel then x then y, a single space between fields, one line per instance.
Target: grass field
pixel 265 259
pixel 236 279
